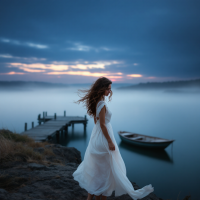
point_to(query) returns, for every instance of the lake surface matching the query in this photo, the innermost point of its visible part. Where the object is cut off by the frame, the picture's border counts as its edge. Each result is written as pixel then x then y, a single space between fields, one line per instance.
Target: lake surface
pixel 174 172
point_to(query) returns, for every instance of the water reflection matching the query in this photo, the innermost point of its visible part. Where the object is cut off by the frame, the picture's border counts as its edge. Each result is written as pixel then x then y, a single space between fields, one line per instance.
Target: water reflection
pixel 159 155
pixel 72 136
pixel 81 136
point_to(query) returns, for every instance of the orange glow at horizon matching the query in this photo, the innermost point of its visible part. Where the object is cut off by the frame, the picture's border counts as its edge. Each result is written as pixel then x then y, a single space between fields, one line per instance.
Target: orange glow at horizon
pixel 12 73
pixel 86 73
pixel 114 77
pixel 62 66
pixel 82 73
pixel 151 77
pixel 134 75
pixel 31 70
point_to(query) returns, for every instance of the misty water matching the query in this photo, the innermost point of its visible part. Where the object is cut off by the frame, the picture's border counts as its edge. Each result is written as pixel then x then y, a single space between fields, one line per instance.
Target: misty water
pixel 174 172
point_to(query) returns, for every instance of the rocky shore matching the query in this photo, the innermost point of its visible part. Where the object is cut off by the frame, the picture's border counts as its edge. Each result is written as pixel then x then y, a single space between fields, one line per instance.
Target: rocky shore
pixel 22 180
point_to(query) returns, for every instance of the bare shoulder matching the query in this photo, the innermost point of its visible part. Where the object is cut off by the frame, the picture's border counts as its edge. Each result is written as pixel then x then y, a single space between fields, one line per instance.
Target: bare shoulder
pixel 103 109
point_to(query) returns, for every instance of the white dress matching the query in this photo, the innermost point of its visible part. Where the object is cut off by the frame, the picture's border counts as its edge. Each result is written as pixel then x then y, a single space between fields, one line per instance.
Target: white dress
pixel 103 171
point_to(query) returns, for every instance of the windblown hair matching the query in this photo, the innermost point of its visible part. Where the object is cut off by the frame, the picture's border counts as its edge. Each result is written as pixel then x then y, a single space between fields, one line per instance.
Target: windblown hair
pixel 94 94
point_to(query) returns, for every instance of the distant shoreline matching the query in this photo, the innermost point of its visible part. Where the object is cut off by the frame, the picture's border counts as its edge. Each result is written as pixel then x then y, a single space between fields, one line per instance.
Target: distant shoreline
pixel 165 85
pixel 140 86
pixel 8 84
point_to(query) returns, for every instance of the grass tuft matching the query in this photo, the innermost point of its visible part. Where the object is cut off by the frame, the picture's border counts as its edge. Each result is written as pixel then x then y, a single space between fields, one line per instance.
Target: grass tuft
pixel 15 136
pixel 16 147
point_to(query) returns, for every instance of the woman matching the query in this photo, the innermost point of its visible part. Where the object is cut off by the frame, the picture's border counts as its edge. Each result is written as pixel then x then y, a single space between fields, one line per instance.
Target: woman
pixel 103 170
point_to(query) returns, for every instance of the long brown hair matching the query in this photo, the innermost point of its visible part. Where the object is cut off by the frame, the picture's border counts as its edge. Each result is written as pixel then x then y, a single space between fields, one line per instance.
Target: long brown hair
pixel 94 94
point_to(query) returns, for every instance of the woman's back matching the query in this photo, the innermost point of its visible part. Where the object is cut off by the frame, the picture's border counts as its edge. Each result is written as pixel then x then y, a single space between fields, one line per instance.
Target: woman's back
pixel 108 113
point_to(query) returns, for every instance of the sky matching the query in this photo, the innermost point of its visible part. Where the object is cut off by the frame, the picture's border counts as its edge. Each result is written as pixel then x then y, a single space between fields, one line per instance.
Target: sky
pixel 77 41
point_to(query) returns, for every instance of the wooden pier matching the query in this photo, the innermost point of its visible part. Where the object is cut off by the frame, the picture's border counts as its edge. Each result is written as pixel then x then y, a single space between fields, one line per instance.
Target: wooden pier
pixel 51 125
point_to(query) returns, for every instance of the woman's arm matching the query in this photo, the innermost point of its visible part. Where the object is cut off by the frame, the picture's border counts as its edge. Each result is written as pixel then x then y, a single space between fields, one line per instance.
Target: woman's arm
pixel 104 129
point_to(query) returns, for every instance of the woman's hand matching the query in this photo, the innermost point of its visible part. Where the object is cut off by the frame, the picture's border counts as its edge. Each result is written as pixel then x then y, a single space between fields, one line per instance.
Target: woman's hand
pixel 111 146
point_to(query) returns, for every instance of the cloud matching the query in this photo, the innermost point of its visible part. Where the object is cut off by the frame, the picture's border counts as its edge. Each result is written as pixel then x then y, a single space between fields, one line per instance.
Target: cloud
pixel 76 46
pixel 29 59
pixel 79 47
pixel 91 66
pixel 62 66
pixel 29 44
pixel 31 70
pixel 13 73
pixel 134 75
pixel 38 46
pixel 6 56
pixel 42 66
pixel 88 73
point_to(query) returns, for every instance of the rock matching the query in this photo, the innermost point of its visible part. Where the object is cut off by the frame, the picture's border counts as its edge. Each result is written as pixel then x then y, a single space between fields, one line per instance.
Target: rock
pixel 58 146
pixel 32 181
pixel 35 166
pixel 75 165
pixel 3 194
pixel 2 191
pixel 63 154
pixel 49 145
pixel 187 197
pixel 69 154
pixel 39 149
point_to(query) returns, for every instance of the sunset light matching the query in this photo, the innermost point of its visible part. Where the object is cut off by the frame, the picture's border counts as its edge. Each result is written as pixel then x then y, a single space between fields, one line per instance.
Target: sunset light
pixel 134 75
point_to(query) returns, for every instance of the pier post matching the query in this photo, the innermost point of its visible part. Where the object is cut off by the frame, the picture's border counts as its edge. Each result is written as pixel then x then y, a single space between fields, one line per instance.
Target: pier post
pixel 64 113
pixel 39 118
pixel 66 130
pixel 72 127
pixel 49 137
pixel 57 135
pixel 32 124
pixel 84 127
pixel 25 127
pixel 54 115
pixel 85 123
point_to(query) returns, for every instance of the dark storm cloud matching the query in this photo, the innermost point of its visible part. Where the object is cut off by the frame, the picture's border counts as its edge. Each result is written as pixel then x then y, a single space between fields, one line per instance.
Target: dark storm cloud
pixel 160 37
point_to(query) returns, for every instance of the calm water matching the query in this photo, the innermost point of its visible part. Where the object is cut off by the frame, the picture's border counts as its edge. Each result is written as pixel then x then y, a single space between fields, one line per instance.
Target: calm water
pixel 174 173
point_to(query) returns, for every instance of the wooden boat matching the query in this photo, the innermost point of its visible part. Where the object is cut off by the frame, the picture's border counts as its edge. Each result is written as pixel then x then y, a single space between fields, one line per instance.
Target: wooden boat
pixel 144 140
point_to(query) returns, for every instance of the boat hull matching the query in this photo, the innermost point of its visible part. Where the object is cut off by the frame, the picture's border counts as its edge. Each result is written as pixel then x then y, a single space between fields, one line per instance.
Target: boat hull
pixel 162 145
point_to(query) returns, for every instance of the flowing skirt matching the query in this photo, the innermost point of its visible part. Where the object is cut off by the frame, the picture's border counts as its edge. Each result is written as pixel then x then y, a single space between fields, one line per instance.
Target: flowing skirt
pixel 103 171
